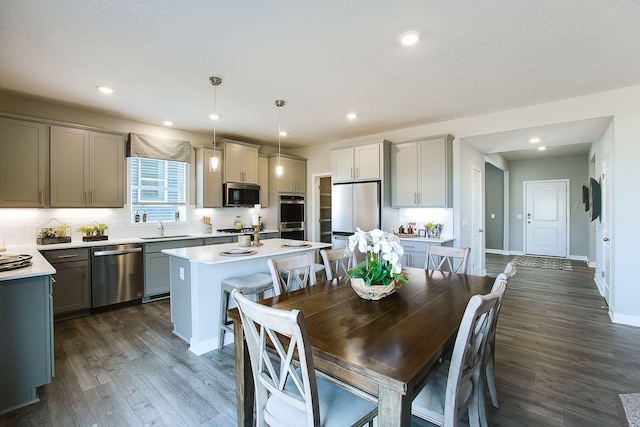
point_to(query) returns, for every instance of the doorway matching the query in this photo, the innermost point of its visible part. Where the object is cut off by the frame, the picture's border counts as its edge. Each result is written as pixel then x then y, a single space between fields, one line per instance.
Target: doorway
pixel 546 225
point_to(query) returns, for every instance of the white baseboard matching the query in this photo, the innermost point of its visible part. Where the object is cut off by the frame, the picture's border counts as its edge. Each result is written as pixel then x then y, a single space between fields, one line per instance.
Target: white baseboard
pixel 624 319
pixel 599 285
pixel 496 251
pixel 578 258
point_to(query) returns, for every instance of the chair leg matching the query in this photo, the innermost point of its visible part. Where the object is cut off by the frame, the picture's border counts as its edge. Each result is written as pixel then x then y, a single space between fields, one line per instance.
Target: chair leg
pixel 491 381
pixel 224 305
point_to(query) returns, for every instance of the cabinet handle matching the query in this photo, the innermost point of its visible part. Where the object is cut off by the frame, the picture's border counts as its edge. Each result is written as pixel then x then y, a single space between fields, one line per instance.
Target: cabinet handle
pixel 419 198
pixel 357 172
pixel 91 198
pixel 40 197
pixel 351 172
pixel 53 279
pixel 67 256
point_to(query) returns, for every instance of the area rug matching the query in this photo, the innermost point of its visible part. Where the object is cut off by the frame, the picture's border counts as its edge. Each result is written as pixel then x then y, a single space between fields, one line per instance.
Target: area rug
pixel 543 262
pixel 630 409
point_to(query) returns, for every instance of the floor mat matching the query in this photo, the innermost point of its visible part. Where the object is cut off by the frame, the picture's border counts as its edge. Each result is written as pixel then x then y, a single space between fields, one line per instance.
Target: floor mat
pixel 543 262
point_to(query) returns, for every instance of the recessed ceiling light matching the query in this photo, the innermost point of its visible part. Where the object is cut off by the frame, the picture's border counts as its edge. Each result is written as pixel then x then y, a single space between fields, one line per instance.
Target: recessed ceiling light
pixel 409 38
pixel 352 116
pixel 167 123
pixel 105 90
pixel 214 116
pixel 283 133
pixel 542 148
pixel 534 140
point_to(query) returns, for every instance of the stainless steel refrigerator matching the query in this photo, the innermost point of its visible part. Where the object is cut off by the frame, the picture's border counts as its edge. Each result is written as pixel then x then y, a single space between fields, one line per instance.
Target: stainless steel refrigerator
pixel 354 205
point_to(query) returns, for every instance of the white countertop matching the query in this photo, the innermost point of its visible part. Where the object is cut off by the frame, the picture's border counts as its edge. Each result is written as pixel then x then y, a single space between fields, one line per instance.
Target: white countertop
pixel 212 254
pixel 39 265
pixel 426 239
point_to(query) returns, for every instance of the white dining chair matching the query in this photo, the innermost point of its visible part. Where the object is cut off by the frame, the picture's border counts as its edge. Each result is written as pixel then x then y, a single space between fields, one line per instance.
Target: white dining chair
pixel 286 395
pixel 447 258
pixel 292 273
pixel 456 386
pixel 337 262
pixel 490 356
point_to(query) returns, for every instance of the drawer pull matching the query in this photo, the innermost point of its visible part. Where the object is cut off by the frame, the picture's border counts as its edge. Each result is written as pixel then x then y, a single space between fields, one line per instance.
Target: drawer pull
pixel 67 256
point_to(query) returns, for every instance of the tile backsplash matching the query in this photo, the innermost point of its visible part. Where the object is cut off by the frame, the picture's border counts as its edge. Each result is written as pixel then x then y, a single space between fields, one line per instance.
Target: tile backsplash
pixel 421 216
pixel 18 226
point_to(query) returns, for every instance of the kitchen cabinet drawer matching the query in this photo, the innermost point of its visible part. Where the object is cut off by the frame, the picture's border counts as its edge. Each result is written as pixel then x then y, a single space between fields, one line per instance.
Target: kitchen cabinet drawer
pixel 220 240
pixel 66 255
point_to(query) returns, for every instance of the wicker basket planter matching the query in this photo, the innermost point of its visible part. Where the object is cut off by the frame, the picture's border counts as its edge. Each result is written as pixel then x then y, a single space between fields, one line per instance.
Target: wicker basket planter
pixel 373 292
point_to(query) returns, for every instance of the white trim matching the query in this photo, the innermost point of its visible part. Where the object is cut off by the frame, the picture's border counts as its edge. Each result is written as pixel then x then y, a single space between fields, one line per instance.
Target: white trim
pixel 496 251
pixel 598 285
pixel 624 319
pixel 313 231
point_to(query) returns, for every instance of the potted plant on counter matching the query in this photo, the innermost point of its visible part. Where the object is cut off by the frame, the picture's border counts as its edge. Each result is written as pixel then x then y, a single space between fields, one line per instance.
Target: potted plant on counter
pixel 93 232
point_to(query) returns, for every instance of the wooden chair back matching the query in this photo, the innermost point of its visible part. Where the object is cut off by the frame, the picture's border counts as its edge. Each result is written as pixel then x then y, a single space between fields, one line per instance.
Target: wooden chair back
pixel 337 262
pixel 446 258
pixel 292 273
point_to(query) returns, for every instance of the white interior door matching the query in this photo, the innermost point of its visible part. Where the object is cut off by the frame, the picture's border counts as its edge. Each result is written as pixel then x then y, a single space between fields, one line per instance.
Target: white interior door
pixel 477 240
pixel 546 222
pixel 605 218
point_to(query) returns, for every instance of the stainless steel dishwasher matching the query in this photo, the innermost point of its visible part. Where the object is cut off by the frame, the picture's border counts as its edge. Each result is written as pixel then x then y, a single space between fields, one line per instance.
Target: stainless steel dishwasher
pixel 117 274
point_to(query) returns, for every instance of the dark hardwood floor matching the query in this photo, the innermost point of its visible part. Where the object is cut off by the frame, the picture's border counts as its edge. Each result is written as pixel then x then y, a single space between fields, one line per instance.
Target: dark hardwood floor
pixel 559 362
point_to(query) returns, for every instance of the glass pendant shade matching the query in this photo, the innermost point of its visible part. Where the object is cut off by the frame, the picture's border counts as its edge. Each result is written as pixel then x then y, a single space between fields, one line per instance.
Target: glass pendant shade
pixel 279 169
pixel 214 162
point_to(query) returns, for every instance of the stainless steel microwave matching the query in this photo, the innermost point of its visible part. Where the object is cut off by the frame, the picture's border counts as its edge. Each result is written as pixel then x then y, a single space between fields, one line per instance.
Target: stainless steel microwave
pixel 238 195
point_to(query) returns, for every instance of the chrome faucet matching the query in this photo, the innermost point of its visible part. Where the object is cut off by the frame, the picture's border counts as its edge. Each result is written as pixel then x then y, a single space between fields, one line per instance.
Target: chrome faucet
pixel 161 227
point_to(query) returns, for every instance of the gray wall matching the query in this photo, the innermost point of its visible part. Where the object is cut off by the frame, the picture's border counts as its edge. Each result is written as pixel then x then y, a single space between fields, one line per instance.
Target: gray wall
pixel 494 205
pixel 574 168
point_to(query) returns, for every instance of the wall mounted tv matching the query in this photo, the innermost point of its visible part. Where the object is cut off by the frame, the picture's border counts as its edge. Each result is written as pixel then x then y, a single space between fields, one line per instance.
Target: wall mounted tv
pixel 594 199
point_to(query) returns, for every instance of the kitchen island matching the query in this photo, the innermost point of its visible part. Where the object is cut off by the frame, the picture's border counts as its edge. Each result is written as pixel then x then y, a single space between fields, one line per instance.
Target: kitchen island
pixel 26 337
pixel 195 275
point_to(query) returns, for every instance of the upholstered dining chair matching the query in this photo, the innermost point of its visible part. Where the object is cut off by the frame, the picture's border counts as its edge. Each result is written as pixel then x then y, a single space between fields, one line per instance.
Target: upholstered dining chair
pixel 456 386
pixel 446 258
pixel 337 262
pixel 292 273
pixel 286 395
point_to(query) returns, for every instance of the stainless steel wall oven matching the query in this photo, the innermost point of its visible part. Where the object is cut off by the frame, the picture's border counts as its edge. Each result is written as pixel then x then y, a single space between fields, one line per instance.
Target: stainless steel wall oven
pixel 292 213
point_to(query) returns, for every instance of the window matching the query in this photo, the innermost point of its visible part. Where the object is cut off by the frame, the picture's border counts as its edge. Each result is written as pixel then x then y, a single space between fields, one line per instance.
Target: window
pixel 158 188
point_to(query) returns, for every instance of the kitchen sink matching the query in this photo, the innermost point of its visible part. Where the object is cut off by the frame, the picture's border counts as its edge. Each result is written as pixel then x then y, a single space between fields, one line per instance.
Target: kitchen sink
pixel 177 236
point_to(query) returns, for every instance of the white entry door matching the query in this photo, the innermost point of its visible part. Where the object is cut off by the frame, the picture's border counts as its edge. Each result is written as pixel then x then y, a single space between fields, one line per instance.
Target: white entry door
pixel 546 218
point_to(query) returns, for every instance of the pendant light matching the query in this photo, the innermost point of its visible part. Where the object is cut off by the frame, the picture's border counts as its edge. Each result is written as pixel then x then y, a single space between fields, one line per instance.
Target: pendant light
pixel 214 162
pixel 279 170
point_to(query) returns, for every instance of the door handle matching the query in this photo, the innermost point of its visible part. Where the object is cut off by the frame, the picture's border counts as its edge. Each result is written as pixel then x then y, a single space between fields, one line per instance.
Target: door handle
pixel 606 239
pixel 481 231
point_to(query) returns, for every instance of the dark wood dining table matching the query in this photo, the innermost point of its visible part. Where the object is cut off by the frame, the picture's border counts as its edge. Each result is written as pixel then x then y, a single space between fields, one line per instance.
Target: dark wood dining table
pixel 387 349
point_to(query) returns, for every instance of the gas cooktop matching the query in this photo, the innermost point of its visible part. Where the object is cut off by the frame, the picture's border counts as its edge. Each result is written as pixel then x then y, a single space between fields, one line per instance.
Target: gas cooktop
pixel 235 230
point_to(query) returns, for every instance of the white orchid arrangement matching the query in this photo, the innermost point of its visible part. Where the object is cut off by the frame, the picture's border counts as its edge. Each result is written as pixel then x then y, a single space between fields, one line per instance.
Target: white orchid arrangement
pixel 383 251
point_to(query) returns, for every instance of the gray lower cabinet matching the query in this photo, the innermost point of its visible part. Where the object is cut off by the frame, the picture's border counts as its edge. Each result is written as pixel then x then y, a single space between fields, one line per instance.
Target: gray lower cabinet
pixel 72 281
pixel 26 340
pixel 415 252
pixel 156 266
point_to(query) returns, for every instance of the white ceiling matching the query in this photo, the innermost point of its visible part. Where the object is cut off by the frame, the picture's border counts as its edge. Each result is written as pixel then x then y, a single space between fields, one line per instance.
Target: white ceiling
pixel 323 58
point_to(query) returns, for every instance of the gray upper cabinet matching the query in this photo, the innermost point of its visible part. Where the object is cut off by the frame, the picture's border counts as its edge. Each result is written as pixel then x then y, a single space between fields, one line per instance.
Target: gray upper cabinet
pixel 421 173
pixel 294 175
pixel 240 163
pixel 208 183
pixel 23 160
pixel 87 168
pixel 361 163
